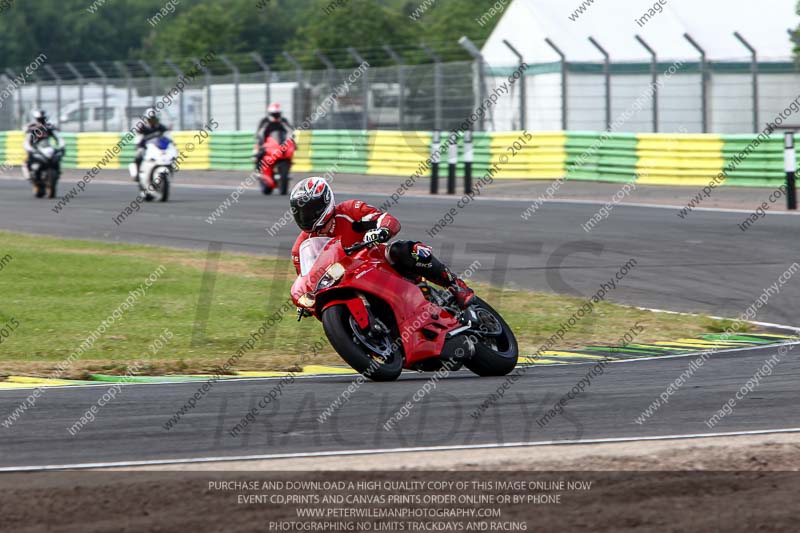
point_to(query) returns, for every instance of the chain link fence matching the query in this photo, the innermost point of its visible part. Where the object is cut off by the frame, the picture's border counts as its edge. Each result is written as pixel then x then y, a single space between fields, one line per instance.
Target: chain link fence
pixel 624 97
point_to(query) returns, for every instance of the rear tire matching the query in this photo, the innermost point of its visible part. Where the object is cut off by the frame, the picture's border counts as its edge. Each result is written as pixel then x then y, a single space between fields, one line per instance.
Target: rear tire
pixel 498 357
pixel 337 325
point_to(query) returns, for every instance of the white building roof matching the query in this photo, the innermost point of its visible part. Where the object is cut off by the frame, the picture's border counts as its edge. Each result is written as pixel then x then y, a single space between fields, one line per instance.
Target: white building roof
pixel 526 23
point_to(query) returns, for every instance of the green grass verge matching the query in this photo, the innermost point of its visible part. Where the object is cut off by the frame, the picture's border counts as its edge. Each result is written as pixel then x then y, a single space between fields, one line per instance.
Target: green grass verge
pixel 58 291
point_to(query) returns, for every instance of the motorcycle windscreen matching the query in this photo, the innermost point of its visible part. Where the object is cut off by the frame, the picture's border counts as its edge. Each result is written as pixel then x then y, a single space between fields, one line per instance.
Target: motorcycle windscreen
pixel 309 252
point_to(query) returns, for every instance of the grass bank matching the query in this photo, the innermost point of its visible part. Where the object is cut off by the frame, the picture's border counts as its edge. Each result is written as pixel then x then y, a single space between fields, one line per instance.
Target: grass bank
pixel 54 293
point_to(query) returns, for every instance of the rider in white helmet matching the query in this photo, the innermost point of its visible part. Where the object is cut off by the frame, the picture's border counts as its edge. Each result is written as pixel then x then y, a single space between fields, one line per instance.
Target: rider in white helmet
pixel 38 131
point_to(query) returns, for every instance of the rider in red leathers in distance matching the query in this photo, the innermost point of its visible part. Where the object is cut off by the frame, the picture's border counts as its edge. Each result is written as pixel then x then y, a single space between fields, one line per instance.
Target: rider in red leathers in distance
pixel 318 215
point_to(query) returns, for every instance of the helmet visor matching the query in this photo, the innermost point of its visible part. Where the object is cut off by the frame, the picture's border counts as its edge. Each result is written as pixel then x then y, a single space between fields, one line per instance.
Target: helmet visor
pixel 308 211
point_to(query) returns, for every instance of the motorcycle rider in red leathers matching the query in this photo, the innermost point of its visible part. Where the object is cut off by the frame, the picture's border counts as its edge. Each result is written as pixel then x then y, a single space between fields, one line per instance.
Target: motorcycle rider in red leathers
pixel 318 215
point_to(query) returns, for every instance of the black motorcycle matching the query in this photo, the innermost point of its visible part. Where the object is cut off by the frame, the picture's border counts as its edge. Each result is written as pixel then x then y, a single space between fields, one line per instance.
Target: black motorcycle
pixel 46 170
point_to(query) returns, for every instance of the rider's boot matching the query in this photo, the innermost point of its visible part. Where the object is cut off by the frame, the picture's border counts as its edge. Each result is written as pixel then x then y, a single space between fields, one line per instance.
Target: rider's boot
pixel 441 275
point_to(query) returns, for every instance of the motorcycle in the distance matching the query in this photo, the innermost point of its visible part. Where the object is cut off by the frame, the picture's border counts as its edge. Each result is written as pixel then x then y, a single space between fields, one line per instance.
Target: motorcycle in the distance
pixel 381 322
pixel 45 171
pixel 278 151
pixel 157 168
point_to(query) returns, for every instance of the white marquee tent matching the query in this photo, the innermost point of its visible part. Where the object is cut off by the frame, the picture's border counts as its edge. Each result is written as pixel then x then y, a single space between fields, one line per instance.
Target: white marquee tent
pixel 614 24
pixel 526 23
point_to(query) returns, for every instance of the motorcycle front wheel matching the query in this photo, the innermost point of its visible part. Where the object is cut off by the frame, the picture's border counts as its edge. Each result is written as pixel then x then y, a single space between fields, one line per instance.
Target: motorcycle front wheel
pixel 159 184
pixel 52 183
pixel 283 170
pixel 496 350
pixel 39 189
pixel 379 358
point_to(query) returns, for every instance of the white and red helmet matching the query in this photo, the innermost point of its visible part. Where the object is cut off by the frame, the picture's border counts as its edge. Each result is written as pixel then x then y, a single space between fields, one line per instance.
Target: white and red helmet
pixel 312 203
pixel 274 110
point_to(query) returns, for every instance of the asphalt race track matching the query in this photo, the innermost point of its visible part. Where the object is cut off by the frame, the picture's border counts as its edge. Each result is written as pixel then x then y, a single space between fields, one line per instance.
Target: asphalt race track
pixel 131 428
pixel 703 263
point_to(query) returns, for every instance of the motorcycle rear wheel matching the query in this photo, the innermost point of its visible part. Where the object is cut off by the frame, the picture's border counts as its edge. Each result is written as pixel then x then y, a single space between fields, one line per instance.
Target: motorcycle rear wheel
pixel 495 355
pixel 340 330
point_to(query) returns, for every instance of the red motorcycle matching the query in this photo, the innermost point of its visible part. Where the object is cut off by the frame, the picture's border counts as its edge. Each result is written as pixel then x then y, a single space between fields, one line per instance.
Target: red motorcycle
pixel 381 322
pixel 277 156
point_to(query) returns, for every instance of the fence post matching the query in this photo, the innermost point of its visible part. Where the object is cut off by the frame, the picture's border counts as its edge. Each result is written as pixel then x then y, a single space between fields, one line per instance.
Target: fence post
pixel 790 165
pixel 53 74
pixel 607 76
pixel 564 82
pixel 38 82
pixel 120 66
pixel 267 75
pixel 401 83
pixel 754 73
pixel 153 85
pixel 437 86
pixel 436 156
pixel 236 102
pixel 78 76
pixel 365 82
pixel 330 70
pixel 104 79
pixel 475 52
pixel 704 78
pixel 523 98
pixel 653 79
pixel 298 71
pixel 17 97
pixel 179 73
pixel 207 78
pixel 468 156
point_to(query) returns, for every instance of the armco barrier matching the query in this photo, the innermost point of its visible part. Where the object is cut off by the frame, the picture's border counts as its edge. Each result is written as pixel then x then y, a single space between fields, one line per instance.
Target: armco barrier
pixel 333 151
pixel 650 158
pixel 762 168
pixel 593 156
pixel 678 159
pixel 397 152
pixel 542 157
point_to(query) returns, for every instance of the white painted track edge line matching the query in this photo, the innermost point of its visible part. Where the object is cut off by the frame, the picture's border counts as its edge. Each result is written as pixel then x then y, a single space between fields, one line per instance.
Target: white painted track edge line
pixel 338 453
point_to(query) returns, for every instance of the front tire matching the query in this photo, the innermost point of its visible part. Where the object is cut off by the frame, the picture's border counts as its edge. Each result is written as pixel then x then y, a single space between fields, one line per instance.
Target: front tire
pixel 39 188
pixel 52 183
pixel 283 170
pixel 339 328
pixel 165 189
pixel 495 355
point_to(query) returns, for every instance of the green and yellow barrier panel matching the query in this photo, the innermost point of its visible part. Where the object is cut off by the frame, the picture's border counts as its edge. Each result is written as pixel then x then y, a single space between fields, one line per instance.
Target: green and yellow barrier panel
pixel 600 156
pixel 678 159
pixel 649 158
pixel 334 151
pixel 543 156
pixel 397 152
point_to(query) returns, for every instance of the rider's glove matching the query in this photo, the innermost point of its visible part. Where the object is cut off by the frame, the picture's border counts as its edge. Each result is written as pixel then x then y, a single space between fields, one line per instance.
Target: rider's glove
pixel 377 235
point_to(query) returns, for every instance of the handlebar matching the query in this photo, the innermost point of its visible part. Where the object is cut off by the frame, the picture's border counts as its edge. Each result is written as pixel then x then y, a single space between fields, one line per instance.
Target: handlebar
pixel 356 247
